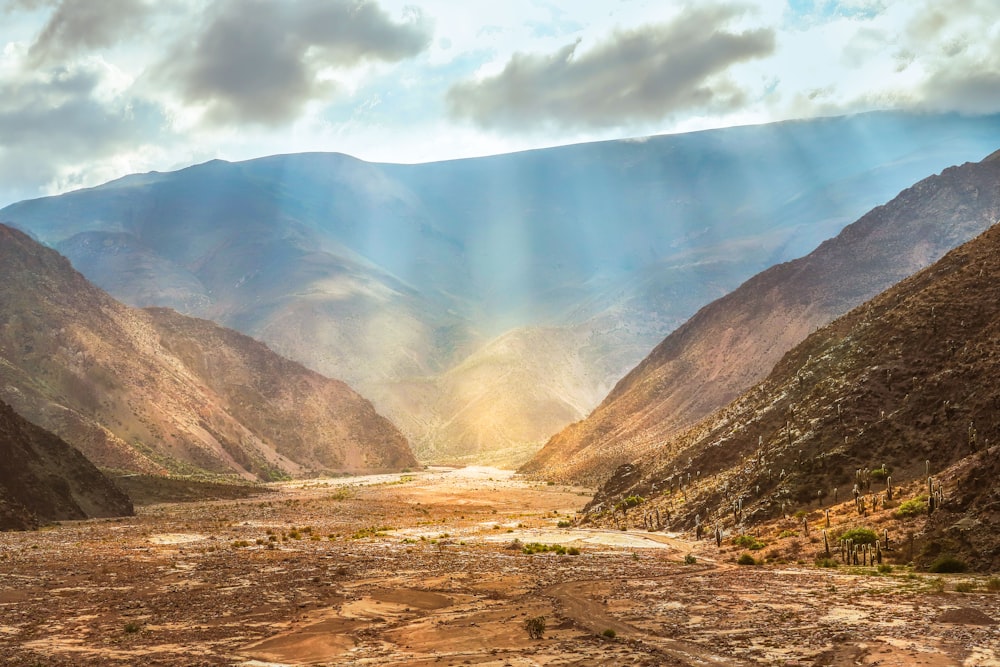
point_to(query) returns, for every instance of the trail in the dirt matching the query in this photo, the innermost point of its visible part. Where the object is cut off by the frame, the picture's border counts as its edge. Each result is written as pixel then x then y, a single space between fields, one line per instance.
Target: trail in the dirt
pixel 576 603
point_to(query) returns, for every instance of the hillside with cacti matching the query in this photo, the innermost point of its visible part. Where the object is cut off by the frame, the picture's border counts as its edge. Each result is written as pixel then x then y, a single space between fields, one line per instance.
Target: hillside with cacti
pixel 887 418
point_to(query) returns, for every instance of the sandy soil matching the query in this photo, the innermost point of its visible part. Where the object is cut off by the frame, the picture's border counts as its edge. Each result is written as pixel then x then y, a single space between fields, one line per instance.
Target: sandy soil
pixel 419 569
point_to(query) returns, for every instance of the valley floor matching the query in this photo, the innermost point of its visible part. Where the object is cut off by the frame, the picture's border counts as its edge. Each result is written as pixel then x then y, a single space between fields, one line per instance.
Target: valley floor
pixel 420 569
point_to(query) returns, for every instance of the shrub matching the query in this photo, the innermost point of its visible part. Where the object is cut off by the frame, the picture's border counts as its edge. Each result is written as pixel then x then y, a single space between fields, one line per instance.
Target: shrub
pixel 826 562
pixel 947 564
pixel 885 568
pixel 860 536
pixel 879 473
pixel 132 627
pixel 564 524
pixel 689 559
pixel 993 584
pixel 911 508
pixel 535 627
pixel 745 559
pixel 965 586
pixel 609 633
pixel 748 542
pixel 573 551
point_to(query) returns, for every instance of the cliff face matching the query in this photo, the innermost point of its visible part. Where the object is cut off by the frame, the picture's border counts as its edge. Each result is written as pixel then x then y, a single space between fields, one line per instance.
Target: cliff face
pixel 153 391
pixel 44 479
pixel 735 341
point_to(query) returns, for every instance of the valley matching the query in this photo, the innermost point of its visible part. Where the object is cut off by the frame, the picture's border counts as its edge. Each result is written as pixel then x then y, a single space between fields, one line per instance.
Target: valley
pixel 419 569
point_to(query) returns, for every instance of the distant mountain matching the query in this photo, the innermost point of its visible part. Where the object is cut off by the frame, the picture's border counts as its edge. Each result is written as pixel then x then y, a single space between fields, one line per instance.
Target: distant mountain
pixel 154 391
pixel 44 479
pixel 408 281
pixel 735 341
pixel 906 381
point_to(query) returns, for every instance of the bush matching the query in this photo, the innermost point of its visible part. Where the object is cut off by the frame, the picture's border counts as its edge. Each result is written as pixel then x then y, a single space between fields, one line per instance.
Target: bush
pixel 965 587
pixel 827 562
pixel 535 627
pixel 860 536
pixel 746 559
pixel 689 559
pixel 132 627
pixel 609 633
pixel 885 568
pixel 993 584
pixel 911 508
pixel 748 542
pixel 947 565
pixel 879 473
pixel 564 524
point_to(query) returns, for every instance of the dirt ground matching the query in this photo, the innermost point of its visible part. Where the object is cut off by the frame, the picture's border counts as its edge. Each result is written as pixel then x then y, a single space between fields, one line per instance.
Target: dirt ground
pixel 423 569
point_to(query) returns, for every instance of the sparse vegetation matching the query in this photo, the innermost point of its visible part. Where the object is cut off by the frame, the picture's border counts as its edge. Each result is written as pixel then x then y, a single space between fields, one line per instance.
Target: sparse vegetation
pixel 689 559
pixel 746 559
pixel 535 627
pixel 965 587
pixel 609 633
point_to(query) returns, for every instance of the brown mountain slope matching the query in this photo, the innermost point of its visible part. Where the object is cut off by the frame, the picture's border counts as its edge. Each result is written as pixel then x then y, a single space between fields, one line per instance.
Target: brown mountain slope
pixel 734 341
pixel 44 479
pixel 906 381
pixel 157 392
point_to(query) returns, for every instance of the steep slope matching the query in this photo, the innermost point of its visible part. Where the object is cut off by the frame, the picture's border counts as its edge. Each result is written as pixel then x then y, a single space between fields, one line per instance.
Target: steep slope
pixel 395 276
pixel 735 341
pixel 158 392
pixel 905 383
pixel 44 479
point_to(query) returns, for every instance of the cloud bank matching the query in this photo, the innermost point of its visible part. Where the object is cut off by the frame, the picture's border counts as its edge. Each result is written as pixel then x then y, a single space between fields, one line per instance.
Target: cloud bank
pixel 260 62
pixel 643 74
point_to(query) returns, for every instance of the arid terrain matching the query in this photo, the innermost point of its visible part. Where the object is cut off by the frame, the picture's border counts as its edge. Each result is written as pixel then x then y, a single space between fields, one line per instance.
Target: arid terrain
pixel 423 569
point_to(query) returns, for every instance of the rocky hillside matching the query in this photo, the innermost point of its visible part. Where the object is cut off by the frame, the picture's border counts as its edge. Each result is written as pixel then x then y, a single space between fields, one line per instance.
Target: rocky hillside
pixel 156 392
pixel 44 479
pixel 902 386
pixel 413 283
pixel 735 341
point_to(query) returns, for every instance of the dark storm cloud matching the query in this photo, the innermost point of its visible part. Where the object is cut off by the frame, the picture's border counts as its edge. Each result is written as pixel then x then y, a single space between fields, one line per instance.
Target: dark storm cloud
pixel 82 25
pixel 638 75
pixel 258 61
pixel 51 122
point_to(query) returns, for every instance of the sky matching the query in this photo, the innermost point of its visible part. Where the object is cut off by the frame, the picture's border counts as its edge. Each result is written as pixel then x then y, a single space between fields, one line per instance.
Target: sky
pixel 91 90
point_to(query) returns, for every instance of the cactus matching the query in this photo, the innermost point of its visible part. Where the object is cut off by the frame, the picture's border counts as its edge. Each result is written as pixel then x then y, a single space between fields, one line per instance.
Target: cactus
pixel 826 545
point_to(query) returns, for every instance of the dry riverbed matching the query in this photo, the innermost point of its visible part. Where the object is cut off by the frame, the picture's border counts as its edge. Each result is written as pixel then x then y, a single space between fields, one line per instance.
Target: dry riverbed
pixel 423 569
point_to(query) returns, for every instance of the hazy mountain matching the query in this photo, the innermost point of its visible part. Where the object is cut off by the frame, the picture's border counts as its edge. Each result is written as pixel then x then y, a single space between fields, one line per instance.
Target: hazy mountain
pixel 905 379
pixel 408 280
pixel 154 391
pixel 44 479
pixel 735 341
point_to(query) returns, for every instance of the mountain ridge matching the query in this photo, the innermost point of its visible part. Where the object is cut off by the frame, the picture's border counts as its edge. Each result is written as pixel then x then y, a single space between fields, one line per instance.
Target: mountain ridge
pixel 390 276
pixel 156 392
pixel 735 341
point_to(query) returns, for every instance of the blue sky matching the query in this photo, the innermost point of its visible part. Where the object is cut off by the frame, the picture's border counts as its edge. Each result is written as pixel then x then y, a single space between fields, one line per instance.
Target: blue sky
pixel 94 89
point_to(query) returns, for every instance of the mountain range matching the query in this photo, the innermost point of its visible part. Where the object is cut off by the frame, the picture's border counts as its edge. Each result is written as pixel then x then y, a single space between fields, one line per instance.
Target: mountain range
pixel 734 342
pixel 904 384
pixel 157 392
pixel 484 304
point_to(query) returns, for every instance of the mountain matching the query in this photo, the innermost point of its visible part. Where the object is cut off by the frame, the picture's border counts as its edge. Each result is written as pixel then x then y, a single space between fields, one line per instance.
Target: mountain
pixel 44 479
pixel 420 284
pixel 153 391
pixel 735 341
pixel 905 383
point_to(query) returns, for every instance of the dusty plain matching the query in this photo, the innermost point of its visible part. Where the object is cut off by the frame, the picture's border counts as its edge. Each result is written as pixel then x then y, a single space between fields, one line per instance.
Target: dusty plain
pixel 423 569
